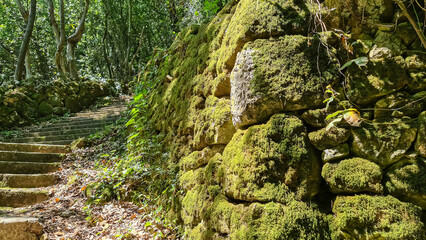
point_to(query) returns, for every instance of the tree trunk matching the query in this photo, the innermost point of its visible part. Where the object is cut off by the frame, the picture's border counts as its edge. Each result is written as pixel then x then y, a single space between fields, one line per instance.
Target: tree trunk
pixel 72 42
pixel 25 42
pixel 28 72
pixel 59 34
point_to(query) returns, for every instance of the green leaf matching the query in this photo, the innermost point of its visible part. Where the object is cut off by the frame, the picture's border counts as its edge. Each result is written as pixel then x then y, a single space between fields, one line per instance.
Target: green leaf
pixel 361 61
pixel 334 114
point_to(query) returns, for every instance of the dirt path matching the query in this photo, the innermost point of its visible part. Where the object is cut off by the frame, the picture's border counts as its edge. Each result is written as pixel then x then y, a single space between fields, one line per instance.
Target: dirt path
pixel 66 216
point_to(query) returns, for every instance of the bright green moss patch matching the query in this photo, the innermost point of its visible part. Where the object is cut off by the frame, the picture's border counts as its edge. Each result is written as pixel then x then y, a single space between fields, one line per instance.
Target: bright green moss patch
pixel 406 180
pixel 353 175
pixel 262 19
pixel 270 162
pixel 281 74
pixel 214 125
pixel 297 220
pixel 328 138
pixel 376 217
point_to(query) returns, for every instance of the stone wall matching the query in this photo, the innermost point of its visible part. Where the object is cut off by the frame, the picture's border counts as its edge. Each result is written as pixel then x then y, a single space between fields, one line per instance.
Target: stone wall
pixel 241 103
pixel 20 106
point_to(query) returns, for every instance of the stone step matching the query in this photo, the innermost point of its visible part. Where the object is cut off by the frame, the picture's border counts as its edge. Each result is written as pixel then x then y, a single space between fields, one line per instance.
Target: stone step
pixel 22 147
pixel 79 120
pixel 61 142
pixel 21 197
pixel 27 180
pixel 20 228
pixel 63 132
pixel 69 126
pixel 28 167
pixel 15 156
pixel 46 138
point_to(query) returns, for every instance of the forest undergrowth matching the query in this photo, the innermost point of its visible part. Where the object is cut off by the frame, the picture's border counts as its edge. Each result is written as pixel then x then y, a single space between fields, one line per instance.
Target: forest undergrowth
pixel 93 201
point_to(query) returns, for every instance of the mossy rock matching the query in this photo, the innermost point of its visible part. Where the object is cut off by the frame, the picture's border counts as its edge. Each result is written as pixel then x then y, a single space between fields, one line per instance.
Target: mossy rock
pixel 358 16
pixel 353 176
pixel 191 178
pixel 383 143
pixel 376 217
pixel 261 20
pixel 420 145
pixel 73 103
pixel 336 153
pixel 390 41
pixel 328 138
pixel 45 109
pixel 199 158
pixel 271 76
pixel 406 180
pixel 296 220
pixel 213 125
pixel 404 102
pixel 378 78
pixel 195 205
pixel 271 162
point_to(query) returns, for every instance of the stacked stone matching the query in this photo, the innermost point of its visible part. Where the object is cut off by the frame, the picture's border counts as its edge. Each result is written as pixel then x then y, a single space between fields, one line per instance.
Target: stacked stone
pixel 242 108
pixel 24 105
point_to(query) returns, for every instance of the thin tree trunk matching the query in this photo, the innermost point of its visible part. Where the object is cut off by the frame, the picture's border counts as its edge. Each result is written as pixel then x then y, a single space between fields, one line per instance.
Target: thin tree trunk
pixel 28 72
pixel 25 42
pixel 59 34
pixel 72 42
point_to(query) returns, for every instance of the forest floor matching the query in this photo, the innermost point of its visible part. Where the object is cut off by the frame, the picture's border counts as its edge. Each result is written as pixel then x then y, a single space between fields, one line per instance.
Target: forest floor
pixel 68 216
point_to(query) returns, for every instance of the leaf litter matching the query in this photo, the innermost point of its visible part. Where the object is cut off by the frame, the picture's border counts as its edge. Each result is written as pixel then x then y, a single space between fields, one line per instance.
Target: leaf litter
pixel 66 215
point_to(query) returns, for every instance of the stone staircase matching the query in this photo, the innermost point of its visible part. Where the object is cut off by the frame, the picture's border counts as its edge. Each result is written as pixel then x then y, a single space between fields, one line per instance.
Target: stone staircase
pixel 28 164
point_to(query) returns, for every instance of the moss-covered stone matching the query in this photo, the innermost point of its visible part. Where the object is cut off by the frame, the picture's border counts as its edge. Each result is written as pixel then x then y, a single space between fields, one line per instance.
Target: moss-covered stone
pixel 261 20
pixel 353 176
pixel 336 153
pixel 328 138
pixel 317 117
pixel 191 178
pixel 406 180
pixel 296 220
pixel 383 143
pixel 199 158
pixel 195 205
pixel 214 124
pixel 359 16
pixel 375 217
pixel 45 109
pixel 383 77
pixel 275 75
pixel 271 162
pixel 420 145
pixel 397 105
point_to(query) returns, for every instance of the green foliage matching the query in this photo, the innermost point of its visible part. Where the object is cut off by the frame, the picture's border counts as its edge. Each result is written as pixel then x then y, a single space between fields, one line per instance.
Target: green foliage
pixel 361 62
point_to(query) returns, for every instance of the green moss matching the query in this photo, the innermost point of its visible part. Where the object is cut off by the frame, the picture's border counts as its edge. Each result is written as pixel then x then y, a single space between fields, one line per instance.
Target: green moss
pixel 261 20
pixel 375 217
pixel 194 205
pixel 191 178
pixel 297 220
pixel 199 158
pixel 406 180
pixel 280 74
pixel 383 144
pixel 270 162
pixel 353 175
pixel 214 125
pixel 328 138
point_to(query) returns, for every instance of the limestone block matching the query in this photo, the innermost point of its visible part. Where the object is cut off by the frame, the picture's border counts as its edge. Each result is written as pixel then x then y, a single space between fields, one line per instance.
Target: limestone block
pixel 353 176
pixel 272 76
pixel 375 217
pixel 270 162
pixel 406 180
pixel 383 144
